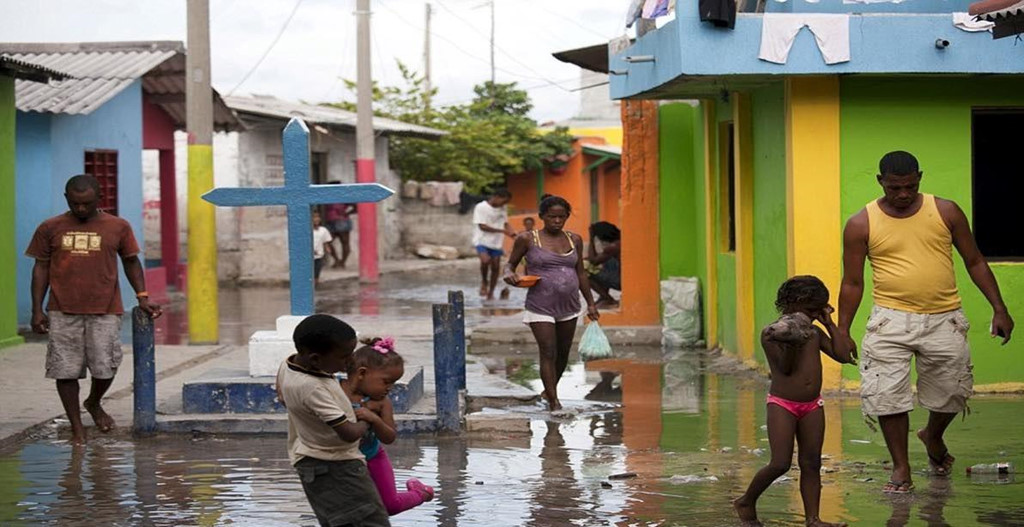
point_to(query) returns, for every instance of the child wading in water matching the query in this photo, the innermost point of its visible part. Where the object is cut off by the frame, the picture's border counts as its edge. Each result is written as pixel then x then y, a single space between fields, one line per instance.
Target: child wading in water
pixel 374 369
pixel 795 407
pixel 323 432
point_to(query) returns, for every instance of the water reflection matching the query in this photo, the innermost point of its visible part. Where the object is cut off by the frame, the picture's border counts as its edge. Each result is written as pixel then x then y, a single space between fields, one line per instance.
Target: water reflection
pixel 692 437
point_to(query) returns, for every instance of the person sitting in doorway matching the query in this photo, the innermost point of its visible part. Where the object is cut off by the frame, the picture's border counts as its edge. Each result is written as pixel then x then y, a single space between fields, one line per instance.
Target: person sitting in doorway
pixel 603 264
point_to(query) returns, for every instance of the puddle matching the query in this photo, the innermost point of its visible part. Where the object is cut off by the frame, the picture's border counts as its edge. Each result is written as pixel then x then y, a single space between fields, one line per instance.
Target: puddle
pixel 693 438
pixel 246 310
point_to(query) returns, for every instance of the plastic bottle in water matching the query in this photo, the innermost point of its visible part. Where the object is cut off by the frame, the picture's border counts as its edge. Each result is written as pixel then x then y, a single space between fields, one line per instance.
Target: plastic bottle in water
pixel 990 468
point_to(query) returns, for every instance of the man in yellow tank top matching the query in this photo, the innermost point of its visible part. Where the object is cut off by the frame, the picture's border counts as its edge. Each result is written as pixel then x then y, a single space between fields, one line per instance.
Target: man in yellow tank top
pixel 908 237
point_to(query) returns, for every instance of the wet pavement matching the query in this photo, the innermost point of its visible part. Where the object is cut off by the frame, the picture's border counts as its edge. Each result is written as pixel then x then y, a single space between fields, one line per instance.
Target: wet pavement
pixel 249 309
pixel 692 437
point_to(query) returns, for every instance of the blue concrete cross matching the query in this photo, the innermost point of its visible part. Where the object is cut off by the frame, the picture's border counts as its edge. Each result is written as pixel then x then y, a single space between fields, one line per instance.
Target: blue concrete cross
pixel 298 195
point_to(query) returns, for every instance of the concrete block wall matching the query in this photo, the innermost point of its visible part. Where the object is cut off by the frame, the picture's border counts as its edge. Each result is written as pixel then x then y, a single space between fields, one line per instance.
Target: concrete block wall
pixel 424 223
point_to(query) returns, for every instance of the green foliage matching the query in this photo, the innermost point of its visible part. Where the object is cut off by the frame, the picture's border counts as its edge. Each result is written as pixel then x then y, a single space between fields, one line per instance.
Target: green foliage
pixel 488 138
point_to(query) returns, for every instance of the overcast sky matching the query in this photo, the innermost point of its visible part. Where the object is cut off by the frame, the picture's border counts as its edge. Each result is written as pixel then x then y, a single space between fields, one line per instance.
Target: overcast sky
pixel 318 46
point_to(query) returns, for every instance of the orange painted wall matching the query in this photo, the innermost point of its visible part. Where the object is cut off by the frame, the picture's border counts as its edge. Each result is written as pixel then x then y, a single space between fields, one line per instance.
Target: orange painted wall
pixel 640 305
pixel 524 192
pixel 609 195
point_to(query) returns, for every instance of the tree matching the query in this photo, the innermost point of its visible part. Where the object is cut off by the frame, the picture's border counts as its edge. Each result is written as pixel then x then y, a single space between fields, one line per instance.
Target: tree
pixel 488 138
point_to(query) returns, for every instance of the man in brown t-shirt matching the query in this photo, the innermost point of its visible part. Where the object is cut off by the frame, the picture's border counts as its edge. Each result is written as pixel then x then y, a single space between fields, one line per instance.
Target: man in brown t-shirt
pixel 76 260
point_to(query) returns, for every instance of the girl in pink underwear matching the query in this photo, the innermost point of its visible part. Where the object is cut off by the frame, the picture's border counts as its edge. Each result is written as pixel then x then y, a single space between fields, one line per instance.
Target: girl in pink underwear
pixel 792 345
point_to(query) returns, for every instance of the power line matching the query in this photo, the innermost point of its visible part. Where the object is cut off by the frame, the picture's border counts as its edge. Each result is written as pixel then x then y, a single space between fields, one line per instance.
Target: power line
pixel 571 20
pixel 503 52
pixel 280 33
pixel 455 45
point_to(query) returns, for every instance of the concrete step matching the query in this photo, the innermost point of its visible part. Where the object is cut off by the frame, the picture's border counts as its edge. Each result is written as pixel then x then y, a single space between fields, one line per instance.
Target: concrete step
pixel 234 391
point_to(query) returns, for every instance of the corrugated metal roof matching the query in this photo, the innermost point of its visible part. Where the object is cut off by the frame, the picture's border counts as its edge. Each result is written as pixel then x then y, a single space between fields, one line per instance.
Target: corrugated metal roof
pixel 325 115
pixel 104 69
pixel 22 70
pixel 606 150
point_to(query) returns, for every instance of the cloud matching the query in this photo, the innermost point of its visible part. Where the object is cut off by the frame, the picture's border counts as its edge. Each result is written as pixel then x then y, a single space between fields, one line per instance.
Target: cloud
pixel 318 47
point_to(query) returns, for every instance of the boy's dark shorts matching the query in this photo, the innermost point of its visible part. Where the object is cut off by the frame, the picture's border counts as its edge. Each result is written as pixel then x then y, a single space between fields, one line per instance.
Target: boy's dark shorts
pixel 341 493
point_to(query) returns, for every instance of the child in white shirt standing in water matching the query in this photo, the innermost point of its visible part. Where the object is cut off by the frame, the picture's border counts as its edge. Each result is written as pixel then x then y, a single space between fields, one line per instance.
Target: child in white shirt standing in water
pixel 321 246
pixel 490 218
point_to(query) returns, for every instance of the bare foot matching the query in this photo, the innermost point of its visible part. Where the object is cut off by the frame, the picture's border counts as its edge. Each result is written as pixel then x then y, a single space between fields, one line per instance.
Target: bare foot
pixel 554 406
pixel 746 512
pixel 483 290
pixel 607 304
pixel 103 421
pixel 79 439
pixel 816 522
pixel 939 459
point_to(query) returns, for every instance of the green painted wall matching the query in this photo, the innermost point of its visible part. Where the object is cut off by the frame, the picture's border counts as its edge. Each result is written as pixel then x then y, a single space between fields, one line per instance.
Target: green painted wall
pixel 726 260
pixel 770 254
pixel 933 121
pixel 680 228
pixel 8 286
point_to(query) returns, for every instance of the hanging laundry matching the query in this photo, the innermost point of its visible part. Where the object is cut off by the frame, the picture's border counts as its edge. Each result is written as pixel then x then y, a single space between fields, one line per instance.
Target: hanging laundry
pixel 966 22
pixel 633 14
pixel 831 32
pixel 655 8
pixel 446 193
pixel 721 13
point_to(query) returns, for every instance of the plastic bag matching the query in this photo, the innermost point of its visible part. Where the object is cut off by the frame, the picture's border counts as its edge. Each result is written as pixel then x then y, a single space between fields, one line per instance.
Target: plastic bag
pixel 594 344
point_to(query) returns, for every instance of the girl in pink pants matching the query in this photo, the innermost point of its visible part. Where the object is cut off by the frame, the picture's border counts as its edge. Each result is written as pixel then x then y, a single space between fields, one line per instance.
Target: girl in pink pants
pixel 373 370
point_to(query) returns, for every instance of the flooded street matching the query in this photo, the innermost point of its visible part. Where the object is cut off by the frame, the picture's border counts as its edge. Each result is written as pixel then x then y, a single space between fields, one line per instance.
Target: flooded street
pixel 249 309
pixel 692 438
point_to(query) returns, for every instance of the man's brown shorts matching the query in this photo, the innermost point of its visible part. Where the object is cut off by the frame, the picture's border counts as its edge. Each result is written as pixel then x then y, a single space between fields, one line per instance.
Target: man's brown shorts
pixel 80 342
pixel 943 359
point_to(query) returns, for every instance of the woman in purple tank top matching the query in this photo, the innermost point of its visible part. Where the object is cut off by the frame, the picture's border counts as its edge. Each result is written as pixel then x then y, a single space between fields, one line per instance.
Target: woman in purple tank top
pixel 553 304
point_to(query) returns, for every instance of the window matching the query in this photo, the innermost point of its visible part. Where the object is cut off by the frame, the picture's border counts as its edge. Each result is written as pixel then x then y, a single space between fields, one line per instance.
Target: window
pixel 727 187
pixel 998 182
pixel 102 164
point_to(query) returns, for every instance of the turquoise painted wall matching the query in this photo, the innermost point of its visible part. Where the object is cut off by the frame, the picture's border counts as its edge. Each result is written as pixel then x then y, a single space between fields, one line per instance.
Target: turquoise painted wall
pixel 8 278
pixel 770 254
pixel 933 121
pixel 51 148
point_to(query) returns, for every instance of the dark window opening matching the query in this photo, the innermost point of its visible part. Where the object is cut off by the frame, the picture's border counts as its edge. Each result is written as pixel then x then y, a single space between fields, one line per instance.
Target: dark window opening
pixel 727 187
pixel 998 182
pixel 102 164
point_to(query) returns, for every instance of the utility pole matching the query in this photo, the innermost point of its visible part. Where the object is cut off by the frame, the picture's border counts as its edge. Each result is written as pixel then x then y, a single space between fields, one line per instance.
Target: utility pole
pixel 426 56
pixel 203 314
pixel 365 155
pixel 492 43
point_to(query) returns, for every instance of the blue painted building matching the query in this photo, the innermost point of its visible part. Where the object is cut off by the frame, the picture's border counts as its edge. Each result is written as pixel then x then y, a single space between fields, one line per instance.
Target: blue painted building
pixel 766 159
pixel 95 123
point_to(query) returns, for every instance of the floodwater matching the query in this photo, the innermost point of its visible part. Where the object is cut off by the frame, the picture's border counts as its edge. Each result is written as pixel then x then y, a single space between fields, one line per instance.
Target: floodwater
pixel 246 310
pixel 693 438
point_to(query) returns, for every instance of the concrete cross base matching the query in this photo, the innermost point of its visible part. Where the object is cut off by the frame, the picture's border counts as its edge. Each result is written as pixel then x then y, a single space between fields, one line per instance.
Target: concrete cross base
pixel 267 349
pixel 232 391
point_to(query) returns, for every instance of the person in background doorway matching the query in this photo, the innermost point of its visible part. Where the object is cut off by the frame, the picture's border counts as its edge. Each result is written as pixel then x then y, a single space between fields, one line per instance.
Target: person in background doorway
pixel 603 264
pixel 338 217
pixel 908 237
pixel 553 304
pixel 76 257
pixel 491 220
pixel 321 246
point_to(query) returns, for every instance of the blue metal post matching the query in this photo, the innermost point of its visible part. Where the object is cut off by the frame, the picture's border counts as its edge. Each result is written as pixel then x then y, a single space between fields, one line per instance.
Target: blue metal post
pixel 446 366
pixel 458 303
pixel 144 383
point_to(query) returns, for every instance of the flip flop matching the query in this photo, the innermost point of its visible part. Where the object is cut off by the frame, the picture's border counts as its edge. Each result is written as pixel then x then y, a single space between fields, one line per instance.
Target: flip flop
pixel 897 487
pixel 943 465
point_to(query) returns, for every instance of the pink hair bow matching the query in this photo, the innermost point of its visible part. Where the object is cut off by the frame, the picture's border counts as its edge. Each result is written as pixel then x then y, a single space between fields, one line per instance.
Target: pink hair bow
pixel 384 345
